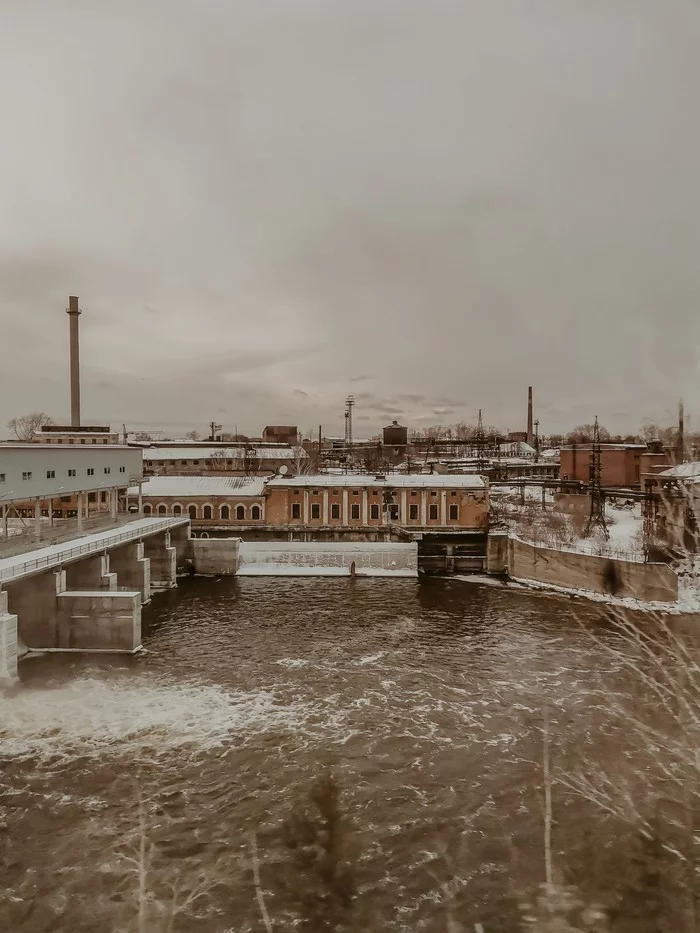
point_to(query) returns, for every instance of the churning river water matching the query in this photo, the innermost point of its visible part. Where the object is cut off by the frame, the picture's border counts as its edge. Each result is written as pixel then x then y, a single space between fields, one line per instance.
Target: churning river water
pixel 180 769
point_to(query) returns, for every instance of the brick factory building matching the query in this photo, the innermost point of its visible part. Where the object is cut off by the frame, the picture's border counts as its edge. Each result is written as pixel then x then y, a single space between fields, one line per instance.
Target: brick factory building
pixel 215 500
pixel 359 501
pixel 232 460
pixel 342 502
pixel 621 464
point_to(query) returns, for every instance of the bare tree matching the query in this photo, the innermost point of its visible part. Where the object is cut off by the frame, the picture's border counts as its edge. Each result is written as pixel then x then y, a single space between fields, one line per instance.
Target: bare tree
pixel 583 434
pixel 26 427
pixel 192 436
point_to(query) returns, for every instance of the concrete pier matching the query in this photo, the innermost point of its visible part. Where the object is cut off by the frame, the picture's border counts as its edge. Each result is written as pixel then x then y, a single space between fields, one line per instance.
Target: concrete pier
pixel 87 594
pixel 8 644
pixel 99 620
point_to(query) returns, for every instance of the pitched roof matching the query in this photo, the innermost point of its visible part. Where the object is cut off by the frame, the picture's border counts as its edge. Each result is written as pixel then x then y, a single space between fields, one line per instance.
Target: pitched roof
pixel 389 481
pixel 191 486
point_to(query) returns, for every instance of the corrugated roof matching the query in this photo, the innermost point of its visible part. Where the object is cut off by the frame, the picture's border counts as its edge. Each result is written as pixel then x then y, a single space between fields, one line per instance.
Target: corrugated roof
pixel 190 486
pixel 391 480
pixel 262 452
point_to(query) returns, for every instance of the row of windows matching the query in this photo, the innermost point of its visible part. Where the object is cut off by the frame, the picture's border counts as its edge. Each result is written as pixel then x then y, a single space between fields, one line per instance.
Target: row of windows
pixel 394 512
pixel 72 440
pixel 51 474
pixel 370 492
pixel 207 511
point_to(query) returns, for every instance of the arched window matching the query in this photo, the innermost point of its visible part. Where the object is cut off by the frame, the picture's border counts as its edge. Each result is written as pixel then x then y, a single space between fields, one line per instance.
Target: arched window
pixel 240 513
pixel 255 513
pixel 162 510
pixel 207 511
pixel 177 509
pixel 225 513
pixel 204 534
pixel 147 510
pixel 192 510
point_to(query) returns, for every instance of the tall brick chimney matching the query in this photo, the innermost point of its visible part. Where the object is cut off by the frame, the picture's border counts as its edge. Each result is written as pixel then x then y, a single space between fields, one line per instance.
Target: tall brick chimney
pixel 530 432
pixel 73 312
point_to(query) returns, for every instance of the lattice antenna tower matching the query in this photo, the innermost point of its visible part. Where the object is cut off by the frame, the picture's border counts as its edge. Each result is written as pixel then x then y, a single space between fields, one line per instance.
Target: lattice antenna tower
pixel 596 518
pixel 349 405
pixel 480 443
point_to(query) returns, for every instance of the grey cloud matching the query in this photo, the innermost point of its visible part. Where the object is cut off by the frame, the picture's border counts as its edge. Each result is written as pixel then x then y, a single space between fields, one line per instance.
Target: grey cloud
pixel 447 199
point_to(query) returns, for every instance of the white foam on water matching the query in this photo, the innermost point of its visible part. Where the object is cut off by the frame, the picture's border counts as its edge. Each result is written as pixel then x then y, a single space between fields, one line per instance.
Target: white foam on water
pixel 292 662
pixel 95 717
pixel 370 658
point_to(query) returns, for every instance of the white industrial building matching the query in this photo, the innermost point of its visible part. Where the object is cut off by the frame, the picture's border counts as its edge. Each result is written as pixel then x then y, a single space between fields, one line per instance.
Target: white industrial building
pixel 51 479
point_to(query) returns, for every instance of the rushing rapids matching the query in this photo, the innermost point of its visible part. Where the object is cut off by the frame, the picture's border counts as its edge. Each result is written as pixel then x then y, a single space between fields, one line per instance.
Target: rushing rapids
pixel 424 701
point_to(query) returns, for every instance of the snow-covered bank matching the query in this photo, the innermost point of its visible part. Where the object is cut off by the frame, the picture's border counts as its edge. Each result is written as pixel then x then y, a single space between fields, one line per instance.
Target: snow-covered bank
pixel 688 595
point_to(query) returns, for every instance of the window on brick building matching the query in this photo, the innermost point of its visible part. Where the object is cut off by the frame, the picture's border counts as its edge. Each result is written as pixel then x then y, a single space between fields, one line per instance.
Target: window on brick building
pixel 315 510
pixel 255 513
pixel 413 512
pixel 225 513
pixel 394 513
pixel 192 511
pixel 454 513
pixel 162 509
pixel 432 512
pixel 355 511
pixel 296 510
pixel 335 510
pixel 177 510
pixel 147 509
pixel 207 511
pixel 240 513
pixel 374 511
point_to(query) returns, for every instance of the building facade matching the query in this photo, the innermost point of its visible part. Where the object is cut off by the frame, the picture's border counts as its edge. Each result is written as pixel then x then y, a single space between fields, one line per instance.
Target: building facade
pixel 231 460
pixel 347 502
pixel 88 434
pixel 281 434
pixel 621 464
pixel 357 501
pixel 63 480
pixel 209 501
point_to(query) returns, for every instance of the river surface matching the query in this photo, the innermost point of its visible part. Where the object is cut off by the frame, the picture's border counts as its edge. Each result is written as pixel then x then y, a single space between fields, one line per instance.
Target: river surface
pixel 187 765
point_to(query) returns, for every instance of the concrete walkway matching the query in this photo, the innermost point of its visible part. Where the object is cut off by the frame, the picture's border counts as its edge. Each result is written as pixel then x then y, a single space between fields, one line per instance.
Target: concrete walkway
pixel 22 565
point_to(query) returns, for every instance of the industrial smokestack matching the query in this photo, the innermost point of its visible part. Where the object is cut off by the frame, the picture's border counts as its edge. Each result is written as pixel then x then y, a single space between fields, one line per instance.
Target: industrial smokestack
pixel 530 432
pixel 681 433
pixel 73 312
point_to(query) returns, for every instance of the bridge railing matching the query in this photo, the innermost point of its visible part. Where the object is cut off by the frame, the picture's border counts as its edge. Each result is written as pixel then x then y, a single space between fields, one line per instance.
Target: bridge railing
pixel 60 555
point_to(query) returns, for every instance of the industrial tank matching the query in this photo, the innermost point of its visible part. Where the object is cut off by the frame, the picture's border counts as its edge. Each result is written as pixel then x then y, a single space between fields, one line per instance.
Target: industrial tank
pixel 395 435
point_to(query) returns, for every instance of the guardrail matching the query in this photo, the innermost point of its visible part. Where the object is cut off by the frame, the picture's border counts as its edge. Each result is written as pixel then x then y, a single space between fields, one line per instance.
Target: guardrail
pixel 61 556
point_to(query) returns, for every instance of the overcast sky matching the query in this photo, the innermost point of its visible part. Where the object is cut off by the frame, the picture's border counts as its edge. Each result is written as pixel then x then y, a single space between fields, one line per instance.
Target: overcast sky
pixel 267 204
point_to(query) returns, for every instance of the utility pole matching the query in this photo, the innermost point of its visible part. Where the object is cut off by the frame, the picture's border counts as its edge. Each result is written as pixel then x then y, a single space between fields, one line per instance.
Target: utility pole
pixel 596 518
pixel 479 442
pixel 537 441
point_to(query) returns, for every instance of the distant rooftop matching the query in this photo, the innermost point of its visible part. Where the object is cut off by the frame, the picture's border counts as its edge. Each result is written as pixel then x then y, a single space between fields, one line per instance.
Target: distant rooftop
pixel 194 452
pixel 184 486
pixel 689 470
pixel 391 480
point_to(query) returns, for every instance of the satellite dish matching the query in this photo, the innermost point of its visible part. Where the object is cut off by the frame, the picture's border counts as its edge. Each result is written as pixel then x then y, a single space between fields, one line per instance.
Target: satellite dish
pixel 283 470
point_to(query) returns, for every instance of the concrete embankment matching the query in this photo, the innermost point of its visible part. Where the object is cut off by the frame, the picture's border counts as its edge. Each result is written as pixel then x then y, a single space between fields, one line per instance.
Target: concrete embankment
pixel 571 570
